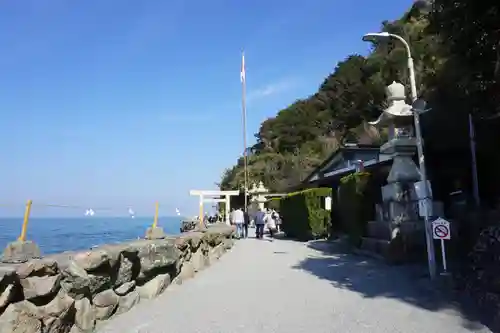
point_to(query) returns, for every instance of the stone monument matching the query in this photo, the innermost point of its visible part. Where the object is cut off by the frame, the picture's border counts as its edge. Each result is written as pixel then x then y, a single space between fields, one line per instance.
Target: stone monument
pixel 258 197
pixel 400 202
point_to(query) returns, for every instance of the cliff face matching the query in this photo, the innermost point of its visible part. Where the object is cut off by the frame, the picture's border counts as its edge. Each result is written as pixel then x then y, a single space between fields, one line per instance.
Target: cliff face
pixel 77 292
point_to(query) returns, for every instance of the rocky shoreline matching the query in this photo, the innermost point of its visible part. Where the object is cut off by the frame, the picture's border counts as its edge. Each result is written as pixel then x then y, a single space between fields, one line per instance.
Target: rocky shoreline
pixel 78 292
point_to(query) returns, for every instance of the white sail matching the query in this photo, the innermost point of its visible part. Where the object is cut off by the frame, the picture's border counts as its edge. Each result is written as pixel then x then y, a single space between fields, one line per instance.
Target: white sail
pixel 177 211
pixel 131 213
pixel 89 212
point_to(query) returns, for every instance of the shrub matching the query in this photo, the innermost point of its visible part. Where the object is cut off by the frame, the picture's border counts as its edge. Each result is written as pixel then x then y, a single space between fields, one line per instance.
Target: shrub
pixel 355 204
pixel 274 203
pixel 303 213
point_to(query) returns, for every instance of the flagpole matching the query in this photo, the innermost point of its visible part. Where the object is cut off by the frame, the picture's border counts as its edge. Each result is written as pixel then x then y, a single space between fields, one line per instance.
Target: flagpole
pixel 244 116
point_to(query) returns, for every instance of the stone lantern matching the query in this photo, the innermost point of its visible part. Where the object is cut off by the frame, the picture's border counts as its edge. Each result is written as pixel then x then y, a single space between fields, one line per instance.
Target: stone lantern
pixel 398 118
pixel 400 205
pixel 258 194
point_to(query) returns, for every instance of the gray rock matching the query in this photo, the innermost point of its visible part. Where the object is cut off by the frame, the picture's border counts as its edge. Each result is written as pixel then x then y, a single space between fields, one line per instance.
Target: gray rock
pixel 155 233
pixel 92 260
pixel 78 283
pixel 21 317
pixel 156 254
pixel 228 243
pixel 57 316
pixel 7 296
pixel 19 252
pixel 128 301
pixel 37 267
pixel 154 287
pixel 187 272
pixel 105 303
pixel 84 316
pixel 128 264
pixel 198 261
pixel 125 288
pixel 217 251
pixel 38 286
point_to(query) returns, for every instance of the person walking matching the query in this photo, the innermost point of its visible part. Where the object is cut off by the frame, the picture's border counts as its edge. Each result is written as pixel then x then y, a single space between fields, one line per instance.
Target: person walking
pixel 271 223
pixel 260 217
pixel 239 221
pixel 277 219
pixel 246 224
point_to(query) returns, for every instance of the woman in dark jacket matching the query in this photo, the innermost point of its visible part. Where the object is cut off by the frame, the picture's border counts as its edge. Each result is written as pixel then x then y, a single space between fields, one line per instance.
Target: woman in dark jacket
pixel 246 223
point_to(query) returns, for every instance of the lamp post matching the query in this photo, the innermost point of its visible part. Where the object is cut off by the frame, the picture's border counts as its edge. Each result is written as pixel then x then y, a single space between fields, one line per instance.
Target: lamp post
pixel 373 37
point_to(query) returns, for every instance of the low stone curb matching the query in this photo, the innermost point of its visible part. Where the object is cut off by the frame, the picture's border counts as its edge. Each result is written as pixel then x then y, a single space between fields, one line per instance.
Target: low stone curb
pixel 77 292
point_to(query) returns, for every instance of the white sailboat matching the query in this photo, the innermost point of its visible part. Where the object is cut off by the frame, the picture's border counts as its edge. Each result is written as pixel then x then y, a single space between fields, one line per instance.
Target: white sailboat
pixel 131 213
pixel 178 212
pixel 89 212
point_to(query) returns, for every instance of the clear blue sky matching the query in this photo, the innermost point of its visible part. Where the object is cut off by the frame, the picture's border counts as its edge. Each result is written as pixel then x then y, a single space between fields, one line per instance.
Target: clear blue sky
pixel 122 103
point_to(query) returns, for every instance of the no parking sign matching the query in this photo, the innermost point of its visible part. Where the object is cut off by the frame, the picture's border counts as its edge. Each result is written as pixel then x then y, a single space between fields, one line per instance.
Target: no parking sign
pixel 441 229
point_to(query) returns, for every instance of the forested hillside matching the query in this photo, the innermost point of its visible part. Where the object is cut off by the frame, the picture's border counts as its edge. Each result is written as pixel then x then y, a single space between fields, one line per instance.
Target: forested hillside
pixel 457 60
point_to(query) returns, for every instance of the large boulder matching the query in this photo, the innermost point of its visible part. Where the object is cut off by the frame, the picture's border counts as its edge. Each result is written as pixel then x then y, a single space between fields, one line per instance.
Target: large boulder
pixel 154 287
pixel 128 301
pixel 156 255
pixel 10 290
pixel 37 267
pixel 105 304
pixel 21 317
pixel 78 283
pixel 39 286
pixel 58 315
pixel 85 315
pixel 24 317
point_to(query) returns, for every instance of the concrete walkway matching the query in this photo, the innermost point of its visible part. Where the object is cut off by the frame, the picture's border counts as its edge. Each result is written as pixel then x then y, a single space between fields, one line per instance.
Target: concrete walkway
pixel 264 286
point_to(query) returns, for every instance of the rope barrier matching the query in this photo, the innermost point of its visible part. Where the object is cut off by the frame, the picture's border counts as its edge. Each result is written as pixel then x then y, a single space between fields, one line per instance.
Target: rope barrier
pixel 89 211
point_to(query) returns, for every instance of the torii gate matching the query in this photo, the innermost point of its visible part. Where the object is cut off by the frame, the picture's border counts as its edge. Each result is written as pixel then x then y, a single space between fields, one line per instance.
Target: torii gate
pixel 208 193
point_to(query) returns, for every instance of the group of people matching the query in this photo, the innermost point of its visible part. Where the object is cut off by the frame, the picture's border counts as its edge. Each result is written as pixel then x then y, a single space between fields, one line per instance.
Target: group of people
pixel 264 217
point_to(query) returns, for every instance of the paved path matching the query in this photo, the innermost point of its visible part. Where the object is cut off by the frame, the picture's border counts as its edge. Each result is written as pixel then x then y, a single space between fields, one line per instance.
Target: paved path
pixel 285 286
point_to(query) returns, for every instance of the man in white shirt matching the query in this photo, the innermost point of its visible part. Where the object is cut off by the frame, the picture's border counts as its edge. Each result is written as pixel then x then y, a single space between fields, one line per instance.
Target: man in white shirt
pixel 239 220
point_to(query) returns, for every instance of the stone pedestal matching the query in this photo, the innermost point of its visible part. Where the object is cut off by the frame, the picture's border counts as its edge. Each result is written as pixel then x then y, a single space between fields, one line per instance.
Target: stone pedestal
pixel 155 233
pixel 21 251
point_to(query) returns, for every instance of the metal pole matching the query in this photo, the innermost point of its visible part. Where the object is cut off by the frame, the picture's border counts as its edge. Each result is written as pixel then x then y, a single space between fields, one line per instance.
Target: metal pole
pixel 421 159
pixel 443 253
pixel 244 111
pixel 475 180
pixel 155 221
pixel 26 219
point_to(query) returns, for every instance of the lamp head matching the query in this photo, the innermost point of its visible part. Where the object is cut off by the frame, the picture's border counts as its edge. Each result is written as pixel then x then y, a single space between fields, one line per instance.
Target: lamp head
pixel 376 36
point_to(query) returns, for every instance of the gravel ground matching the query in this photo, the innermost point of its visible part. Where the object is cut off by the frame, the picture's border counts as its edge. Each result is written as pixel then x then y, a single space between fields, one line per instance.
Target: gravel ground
pixel 264 286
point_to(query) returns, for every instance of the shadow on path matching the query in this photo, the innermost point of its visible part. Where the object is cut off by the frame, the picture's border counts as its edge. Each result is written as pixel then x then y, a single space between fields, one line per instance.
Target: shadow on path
pixel 371 279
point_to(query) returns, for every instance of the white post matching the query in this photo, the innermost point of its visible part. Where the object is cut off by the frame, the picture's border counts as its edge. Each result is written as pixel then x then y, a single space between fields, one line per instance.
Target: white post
pixel 443 253
pixel 475 180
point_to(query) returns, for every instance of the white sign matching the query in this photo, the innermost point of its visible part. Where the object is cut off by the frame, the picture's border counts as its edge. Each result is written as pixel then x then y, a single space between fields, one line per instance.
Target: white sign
pixel 328 203
pixel 441 229
pixel 425 207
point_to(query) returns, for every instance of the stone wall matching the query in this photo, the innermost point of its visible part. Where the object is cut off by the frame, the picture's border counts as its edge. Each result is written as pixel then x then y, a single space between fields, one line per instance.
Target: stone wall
pixel 78 292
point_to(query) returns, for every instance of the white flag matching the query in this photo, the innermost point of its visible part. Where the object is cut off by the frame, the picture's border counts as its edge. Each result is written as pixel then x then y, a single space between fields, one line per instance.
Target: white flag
pixel 242 73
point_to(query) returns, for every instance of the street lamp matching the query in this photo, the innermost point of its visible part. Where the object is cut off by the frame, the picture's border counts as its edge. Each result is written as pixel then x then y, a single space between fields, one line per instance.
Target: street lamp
pixel 417 108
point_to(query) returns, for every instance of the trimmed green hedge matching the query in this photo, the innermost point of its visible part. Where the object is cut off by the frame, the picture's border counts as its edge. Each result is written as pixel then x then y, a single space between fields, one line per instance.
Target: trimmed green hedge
pixel 355 204
pixel 303 213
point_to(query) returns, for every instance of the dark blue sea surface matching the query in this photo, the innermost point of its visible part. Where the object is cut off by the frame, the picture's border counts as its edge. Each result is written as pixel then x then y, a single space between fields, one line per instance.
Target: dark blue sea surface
pixel 55 235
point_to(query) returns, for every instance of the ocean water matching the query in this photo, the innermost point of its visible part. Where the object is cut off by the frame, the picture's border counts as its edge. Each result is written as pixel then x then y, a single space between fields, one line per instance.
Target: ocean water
pixel 55 235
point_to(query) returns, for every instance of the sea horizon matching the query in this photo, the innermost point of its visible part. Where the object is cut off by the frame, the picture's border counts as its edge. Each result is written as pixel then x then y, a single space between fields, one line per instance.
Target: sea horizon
pixel 59 234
